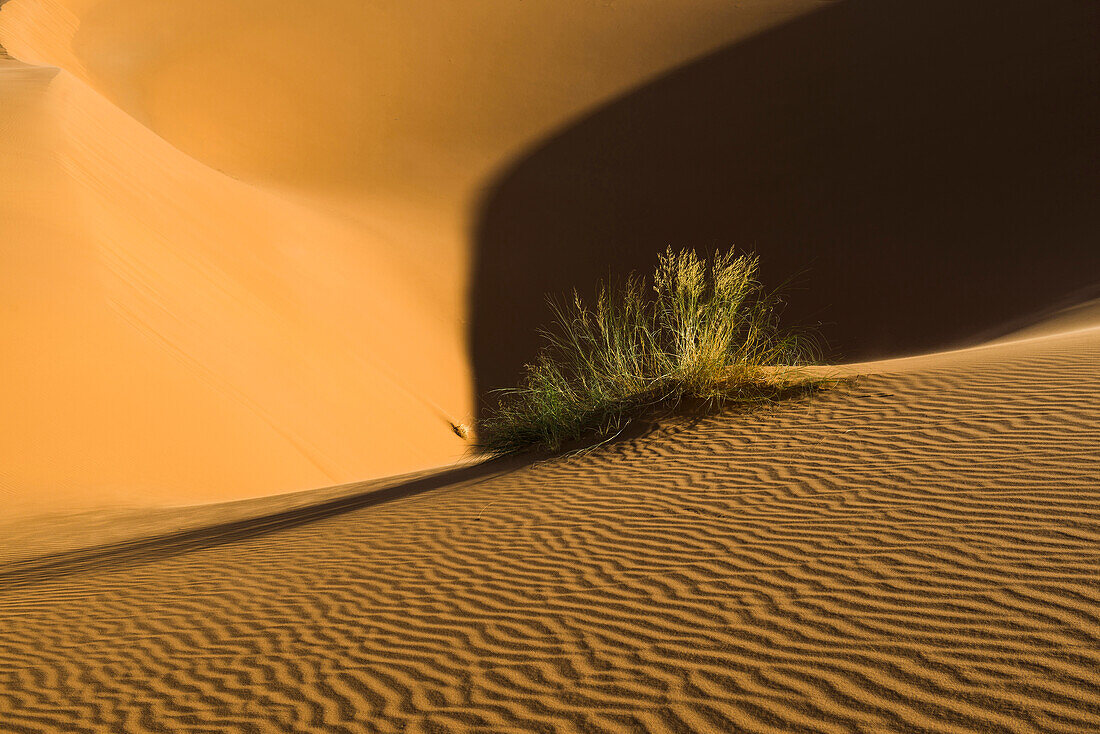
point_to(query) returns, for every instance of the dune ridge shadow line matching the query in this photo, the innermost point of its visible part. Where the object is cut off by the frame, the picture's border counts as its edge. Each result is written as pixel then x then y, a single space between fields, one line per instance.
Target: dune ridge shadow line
pixel 930 166
pixel 143 550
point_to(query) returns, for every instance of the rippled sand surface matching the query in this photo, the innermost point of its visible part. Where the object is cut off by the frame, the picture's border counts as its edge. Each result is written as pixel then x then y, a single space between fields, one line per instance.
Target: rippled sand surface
pixel 917 551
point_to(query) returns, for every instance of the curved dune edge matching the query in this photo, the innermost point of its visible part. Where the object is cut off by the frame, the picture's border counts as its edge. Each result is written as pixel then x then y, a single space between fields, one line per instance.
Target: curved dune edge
pixel 916 169
pixel 235 250
pixel 916 553
pixel 63 537
pixel 243 258
pixel 183 336
pixel 202 284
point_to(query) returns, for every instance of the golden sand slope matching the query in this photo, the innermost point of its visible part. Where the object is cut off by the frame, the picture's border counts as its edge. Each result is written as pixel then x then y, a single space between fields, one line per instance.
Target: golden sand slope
pixel 253 246
pixel 233 235
pixel 172 334
pixel 390 96
pixel 917 553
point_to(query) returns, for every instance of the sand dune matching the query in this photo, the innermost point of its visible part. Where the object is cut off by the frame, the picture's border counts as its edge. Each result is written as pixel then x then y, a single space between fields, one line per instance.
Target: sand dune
pixel 393 97
pixel 285 254
pixel 921 169
pixel 178 335
pixel 249 247
pixel 235 235
pixel 916 552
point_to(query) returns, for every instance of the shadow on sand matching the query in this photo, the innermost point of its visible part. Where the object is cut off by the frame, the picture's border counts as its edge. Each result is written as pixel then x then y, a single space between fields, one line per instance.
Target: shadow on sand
pixel 146 549
pixel 931 168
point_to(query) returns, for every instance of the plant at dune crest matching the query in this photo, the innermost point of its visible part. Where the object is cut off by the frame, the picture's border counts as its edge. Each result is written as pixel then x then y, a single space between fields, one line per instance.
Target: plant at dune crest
pixel 700 332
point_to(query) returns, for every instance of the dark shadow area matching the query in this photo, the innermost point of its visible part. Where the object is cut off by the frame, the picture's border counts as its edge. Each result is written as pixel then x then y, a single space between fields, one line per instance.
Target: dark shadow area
pixel 929 167
pixel 147 549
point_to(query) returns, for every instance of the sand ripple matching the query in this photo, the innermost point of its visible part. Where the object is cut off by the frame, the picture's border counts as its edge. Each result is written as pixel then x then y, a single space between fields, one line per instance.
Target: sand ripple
pixel 916 553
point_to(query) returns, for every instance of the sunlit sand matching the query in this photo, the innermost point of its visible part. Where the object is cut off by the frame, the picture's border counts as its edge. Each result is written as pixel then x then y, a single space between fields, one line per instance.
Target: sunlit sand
pixel 259 261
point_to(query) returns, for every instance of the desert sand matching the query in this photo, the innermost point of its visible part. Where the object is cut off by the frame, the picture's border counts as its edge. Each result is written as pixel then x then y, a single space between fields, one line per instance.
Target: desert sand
pixel 236 251
pixel 915 552
pixel 256 258
pixel 261 247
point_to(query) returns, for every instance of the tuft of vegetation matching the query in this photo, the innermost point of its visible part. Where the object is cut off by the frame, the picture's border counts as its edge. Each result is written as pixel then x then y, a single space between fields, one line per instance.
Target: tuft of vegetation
pixel 700 333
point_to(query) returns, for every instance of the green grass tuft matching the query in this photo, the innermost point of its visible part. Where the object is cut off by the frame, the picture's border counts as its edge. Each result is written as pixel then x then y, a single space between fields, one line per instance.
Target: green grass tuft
pixel 699 333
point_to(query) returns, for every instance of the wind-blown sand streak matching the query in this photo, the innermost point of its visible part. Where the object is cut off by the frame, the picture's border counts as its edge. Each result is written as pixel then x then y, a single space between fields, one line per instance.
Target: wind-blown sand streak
pixel 915 553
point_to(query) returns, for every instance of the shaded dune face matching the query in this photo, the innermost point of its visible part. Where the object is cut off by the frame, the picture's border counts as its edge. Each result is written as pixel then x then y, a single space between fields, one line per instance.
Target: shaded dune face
pixel 234 236
pixel 925 172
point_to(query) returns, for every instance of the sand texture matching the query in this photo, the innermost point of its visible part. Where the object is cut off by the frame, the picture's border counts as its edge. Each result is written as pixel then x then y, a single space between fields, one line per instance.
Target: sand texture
pixel 257 258
pixel 915 552
pixel 234 236
pixel 257 246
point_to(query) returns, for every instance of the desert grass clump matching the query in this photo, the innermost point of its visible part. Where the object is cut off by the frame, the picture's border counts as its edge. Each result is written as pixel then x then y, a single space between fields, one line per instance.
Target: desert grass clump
pixel 701 333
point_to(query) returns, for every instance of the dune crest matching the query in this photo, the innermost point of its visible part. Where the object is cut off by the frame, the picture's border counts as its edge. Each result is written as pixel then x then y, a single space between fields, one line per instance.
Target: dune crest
pixel 236 234
pixel 924 173
pixel 255 246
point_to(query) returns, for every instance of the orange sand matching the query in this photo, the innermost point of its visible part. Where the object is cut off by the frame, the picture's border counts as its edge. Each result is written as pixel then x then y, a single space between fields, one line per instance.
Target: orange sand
pixel 917 552
pixel 234 235
pixel 248 248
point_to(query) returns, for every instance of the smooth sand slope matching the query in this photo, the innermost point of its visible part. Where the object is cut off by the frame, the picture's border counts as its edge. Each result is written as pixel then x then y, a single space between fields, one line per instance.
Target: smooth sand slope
pixel 234 236
pixel 171 334
pixel 915 553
